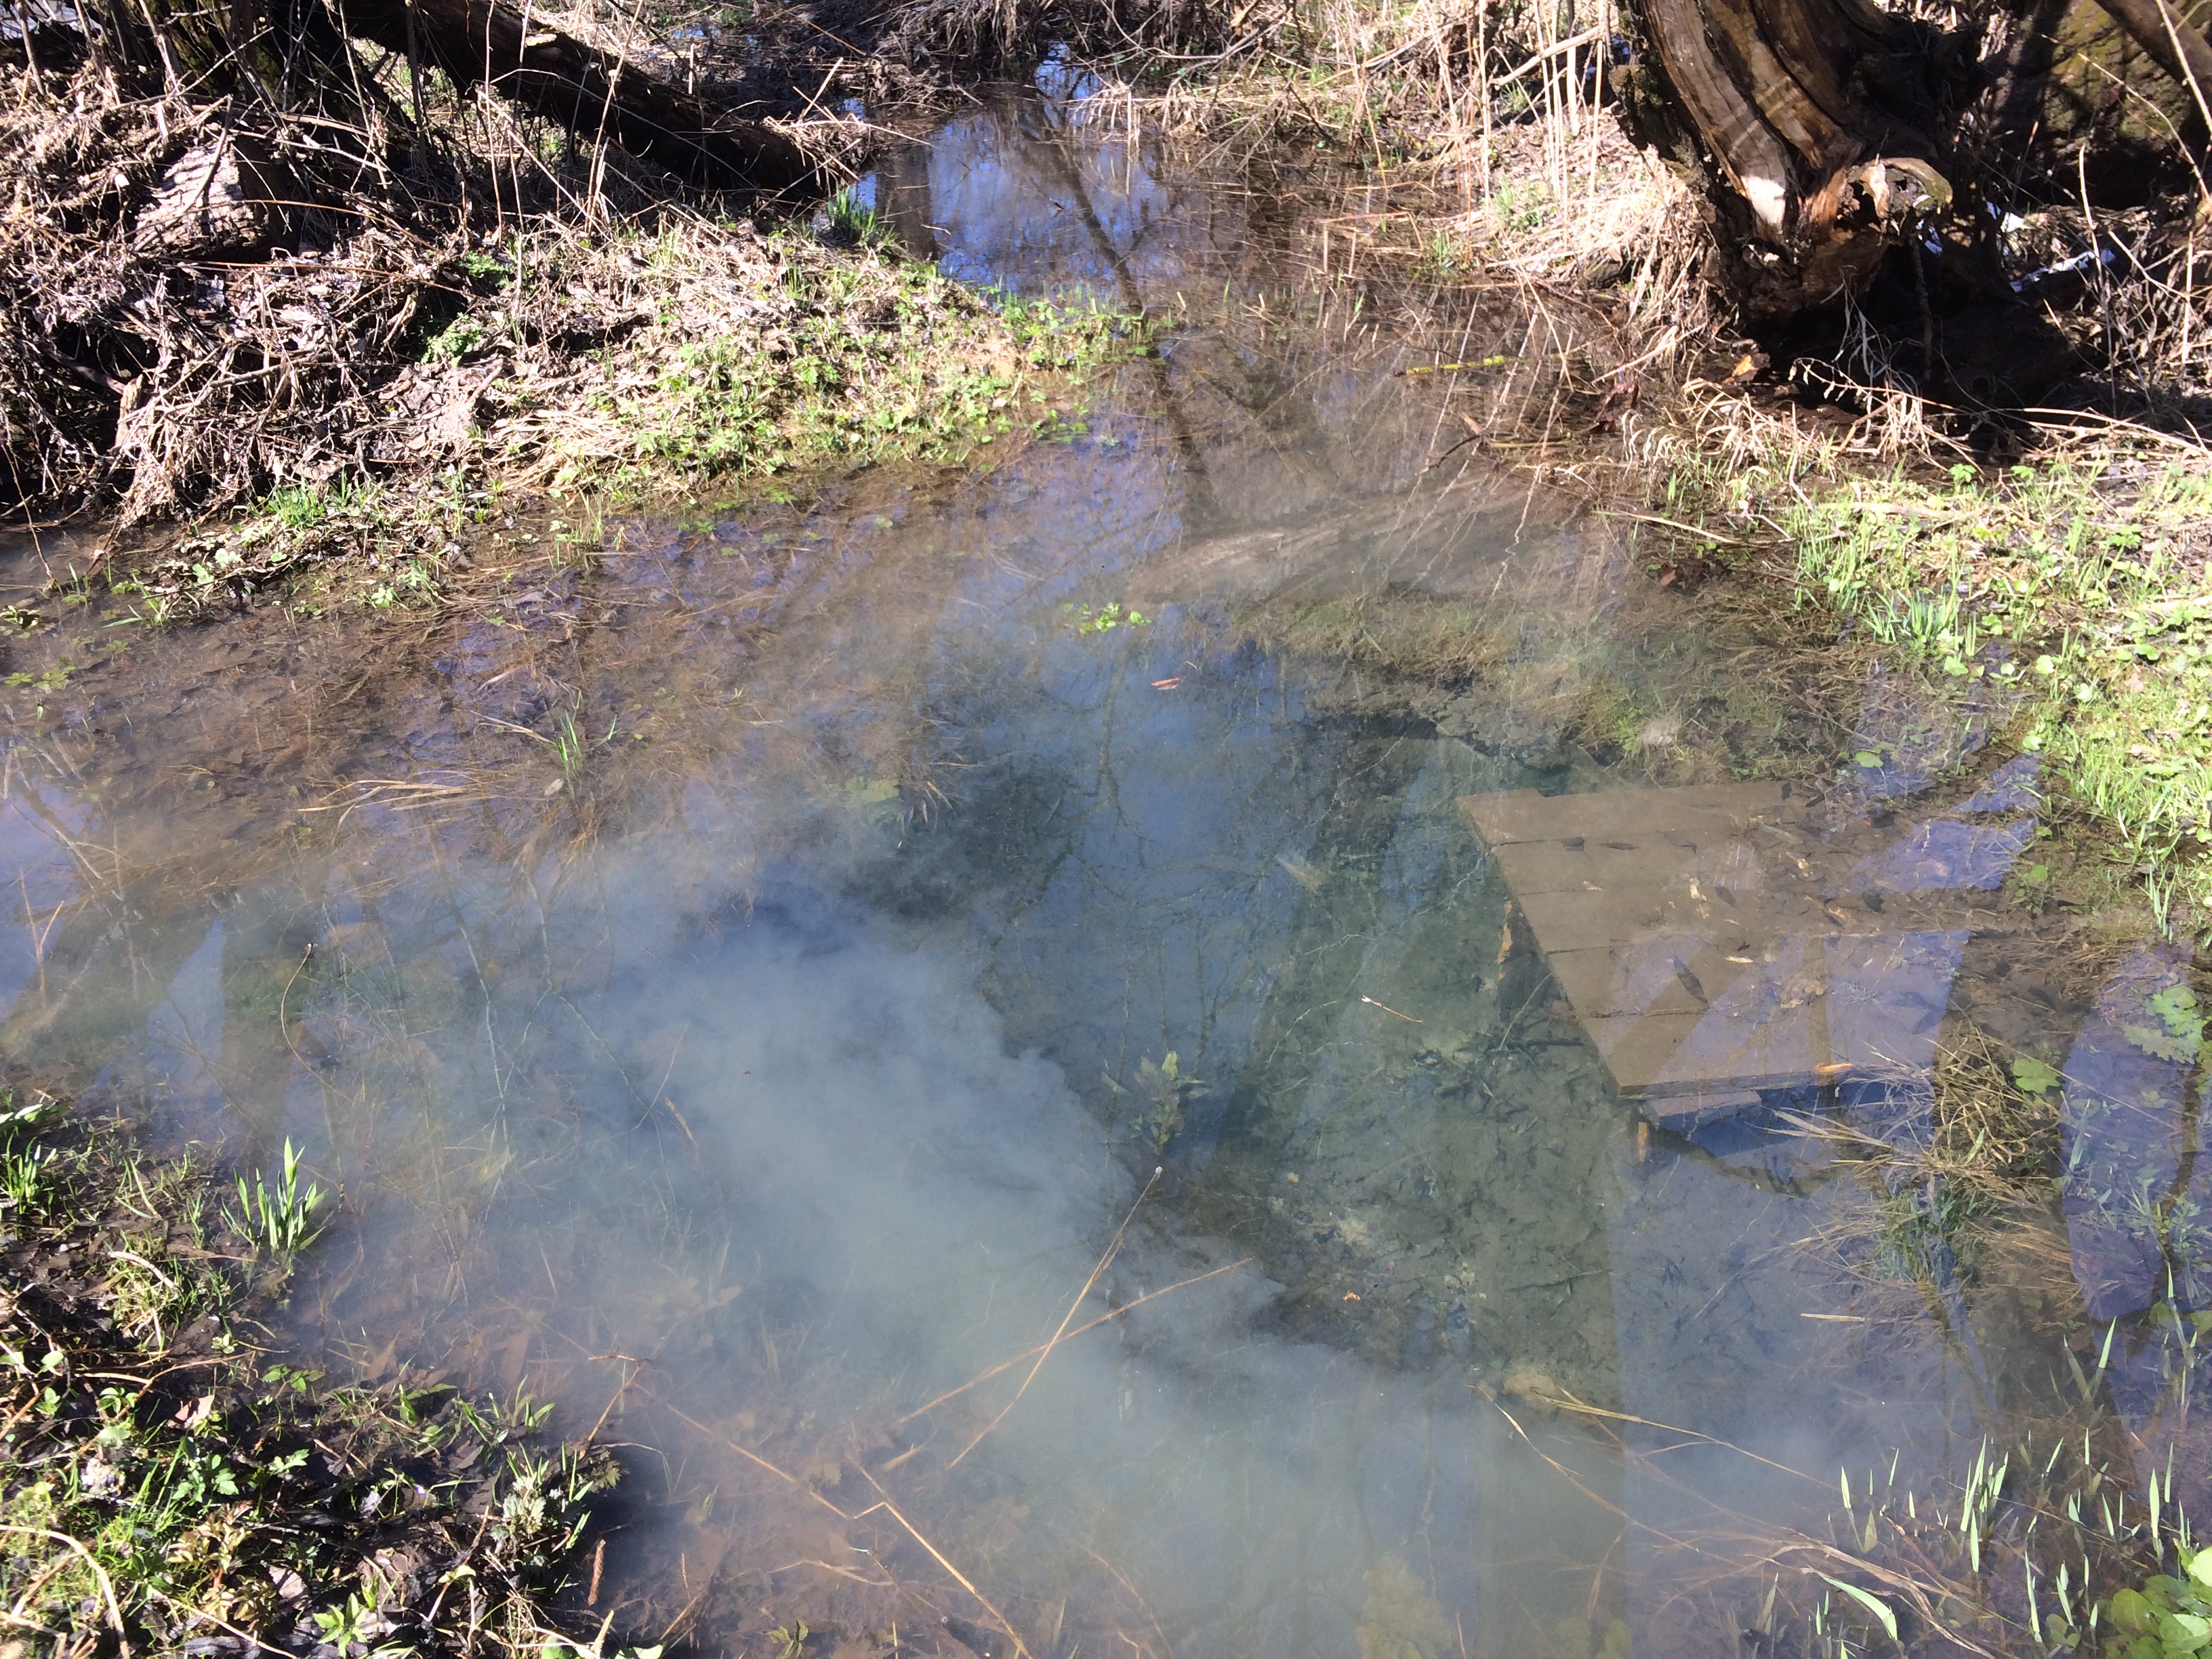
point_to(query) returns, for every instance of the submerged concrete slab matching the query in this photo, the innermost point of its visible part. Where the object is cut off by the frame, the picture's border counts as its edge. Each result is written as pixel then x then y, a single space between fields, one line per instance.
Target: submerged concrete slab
pixel 1697 935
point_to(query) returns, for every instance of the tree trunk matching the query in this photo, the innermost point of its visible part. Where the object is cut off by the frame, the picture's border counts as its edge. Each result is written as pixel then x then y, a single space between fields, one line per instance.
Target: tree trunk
pixel 2175 44
pixel 1824 131
pixel 1817 125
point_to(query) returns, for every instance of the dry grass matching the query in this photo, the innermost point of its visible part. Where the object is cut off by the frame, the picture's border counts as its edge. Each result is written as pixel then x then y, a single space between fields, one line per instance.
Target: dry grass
pixel 550 324
pixel 1488 146
pixel 1979 1163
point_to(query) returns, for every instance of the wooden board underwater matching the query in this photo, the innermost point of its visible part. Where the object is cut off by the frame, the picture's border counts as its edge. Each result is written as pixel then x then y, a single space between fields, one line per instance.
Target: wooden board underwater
pixel 1711 946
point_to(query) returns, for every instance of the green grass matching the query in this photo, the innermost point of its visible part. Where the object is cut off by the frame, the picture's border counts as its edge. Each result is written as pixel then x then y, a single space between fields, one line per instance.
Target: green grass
pixel 160 1480
pixel 877 359
pixel 850 215
pixel 2048 1545
pixel 278 1221
pixel 724 352
pixel 2081 584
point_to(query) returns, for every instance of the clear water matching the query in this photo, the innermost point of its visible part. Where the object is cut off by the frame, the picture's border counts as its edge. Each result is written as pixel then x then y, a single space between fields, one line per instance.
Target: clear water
pixel 796 1055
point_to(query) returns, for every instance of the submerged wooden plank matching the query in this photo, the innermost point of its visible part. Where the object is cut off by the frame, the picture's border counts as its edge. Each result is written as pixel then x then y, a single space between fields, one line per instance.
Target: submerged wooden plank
pixel 1692 935
pixel 1710 812
pixel 1557 867
pixel 1668 973
pixel 1661 1055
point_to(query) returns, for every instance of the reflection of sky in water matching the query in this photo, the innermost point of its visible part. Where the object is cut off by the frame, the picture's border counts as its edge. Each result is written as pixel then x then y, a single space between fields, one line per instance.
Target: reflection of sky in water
pixel 1942 852
pixel 36 828
pixel 187 1024
pixel 1908 734
pixel 2010 788
pixel 2135 1204
pixel 1090 217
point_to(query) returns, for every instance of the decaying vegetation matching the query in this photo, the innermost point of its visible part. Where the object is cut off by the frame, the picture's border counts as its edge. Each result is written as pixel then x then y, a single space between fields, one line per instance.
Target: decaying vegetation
pixel 276 280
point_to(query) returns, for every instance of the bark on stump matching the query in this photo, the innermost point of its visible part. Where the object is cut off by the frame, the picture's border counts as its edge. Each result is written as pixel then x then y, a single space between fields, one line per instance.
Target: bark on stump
pixel 1825 131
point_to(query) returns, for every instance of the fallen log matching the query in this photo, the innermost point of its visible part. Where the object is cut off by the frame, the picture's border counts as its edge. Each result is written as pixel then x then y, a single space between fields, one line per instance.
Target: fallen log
pixel 289 50
pixel 1824 133
pixel 591 91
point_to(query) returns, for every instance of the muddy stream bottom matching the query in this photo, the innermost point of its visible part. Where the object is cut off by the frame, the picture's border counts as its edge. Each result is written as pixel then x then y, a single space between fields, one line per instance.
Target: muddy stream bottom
pixel 766 958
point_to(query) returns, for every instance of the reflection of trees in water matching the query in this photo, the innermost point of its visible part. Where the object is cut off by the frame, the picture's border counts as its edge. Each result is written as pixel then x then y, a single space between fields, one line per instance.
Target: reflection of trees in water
pixel 1271 403
pixel 457 1033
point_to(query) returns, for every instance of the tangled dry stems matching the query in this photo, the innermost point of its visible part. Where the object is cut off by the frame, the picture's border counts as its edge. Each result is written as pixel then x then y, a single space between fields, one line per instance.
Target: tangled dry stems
pixel 373 327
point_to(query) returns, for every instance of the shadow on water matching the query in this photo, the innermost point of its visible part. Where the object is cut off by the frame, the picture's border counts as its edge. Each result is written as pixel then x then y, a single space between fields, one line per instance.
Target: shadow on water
pixel 775 969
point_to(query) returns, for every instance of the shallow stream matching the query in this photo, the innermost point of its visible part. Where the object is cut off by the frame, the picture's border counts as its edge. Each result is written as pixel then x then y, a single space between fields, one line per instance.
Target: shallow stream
pixel 766 957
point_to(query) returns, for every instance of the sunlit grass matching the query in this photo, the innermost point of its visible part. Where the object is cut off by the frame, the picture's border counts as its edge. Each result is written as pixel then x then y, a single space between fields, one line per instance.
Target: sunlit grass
pixel 2080 583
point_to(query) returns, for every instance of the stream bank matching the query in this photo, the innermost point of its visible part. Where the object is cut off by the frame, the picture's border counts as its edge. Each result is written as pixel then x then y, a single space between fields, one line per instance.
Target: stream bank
pixel 172 1484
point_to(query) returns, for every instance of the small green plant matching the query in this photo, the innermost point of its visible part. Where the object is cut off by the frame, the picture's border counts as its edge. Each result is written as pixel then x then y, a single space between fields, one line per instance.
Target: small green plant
pixel 1521 207
pixel 300 506
pixel 2175 1031
pixel 24 1169
pixel 543 1504
pixel 2171 1615
pixel 854 217
pixel 497 1422
pixel 573 745
pixel 355 1622
pixel 280 1222
pixel 2031 1076
pixel 1104 618
pixel 1053 335
pixel 1442 257
pixel 1928 1226
pixel 21 1173
pixel 14 1119
pixel 458 339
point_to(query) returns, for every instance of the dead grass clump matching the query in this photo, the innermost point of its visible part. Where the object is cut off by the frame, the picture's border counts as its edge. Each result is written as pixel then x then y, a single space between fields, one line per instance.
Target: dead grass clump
pixel 180 346
pixel 73 161
pixel 1961 1160
pixel 1490 147
pixel 536 331
pixel 1602 215
pixel 1990 1131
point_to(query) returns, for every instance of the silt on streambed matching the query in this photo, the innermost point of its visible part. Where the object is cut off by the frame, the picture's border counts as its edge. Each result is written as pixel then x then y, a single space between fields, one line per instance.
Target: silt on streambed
pixel 763 965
